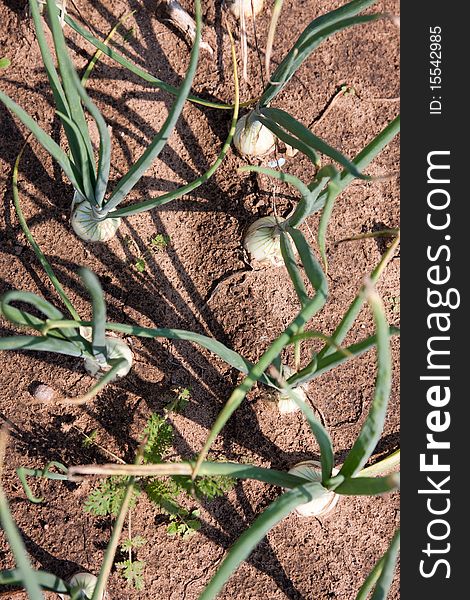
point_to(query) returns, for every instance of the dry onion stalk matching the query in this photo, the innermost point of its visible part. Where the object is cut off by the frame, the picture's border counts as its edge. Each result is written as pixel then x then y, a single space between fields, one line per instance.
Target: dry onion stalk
pixel 182 21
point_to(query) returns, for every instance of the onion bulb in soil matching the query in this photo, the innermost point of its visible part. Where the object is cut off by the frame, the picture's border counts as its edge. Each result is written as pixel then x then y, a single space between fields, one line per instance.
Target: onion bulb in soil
pixel 85 584
pixel 88 226
pixel 249 7
pixel 115 349
pixel 283 400
pixel 252 138
pixel 263 242
pixel 285 403
pixel 322 505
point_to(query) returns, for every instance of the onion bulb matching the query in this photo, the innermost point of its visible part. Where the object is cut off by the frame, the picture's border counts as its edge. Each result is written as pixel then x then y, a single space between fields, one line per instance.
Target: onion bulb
pixel 87 226
pixel 115 348
pixel 84 584
pixel 252 138
pixel 311 470
pixel 249 7
pixel 285 402
pixel 262 241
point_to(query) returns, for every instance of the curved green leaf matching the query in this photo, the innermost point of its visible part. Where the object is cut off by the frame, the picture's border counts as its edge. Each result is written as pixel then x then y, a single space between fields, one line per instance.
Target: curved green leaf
pixel 41 344
pixel 24 568
pixel 47 581
pixel 385 566
pixel 37 250
pixel 139 207
pixel 270 116
pixel 45 140
pixel 292 268
pixel 368 486
pixel 66 68
pixel 95 290
pixel 129 180
pixel 355 307
pixel 373 426
pixel 229 356
pixel 325 364
pixel 388 568
pixel 312 267
pixel 250 538
pixel 210 468
pixel 332 194
pixel 158 83
pixel 317 31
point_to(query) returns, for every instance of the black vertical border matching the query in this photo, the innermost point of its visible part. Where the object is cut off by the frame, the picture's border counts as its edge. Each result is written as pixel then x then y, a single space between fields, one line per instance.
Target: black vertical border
pixel 422 133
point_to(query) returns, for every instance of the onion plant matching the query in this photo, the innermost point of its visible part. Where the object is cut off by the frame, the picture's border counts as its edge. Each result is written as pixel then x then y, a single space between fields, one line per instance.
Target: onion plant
pixel 108 357
pixel 263 122
pixel 256 131
pixel 95 213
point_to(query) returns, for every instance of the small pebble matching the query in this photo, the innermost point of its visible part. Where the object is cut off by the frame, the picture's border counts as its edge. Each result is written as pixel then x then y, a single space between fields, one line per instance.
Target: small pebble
pixel 43 393
pixel 277 163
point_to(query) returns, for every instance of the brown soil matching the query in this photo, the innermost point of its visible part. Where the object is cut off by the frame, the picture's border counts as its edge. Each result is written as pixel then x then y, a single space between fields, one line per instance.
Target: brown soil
pixel 201 283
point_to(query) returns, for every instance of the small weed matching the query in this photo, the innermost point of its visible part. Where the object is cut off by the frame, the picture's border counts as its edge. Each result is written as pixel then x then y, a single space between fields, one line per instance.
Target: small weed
pixel 133 572
pixel 184 524
pixel 157 243
pixel 90 439
pixel 163 492
pixel 180 401
pixel 106 499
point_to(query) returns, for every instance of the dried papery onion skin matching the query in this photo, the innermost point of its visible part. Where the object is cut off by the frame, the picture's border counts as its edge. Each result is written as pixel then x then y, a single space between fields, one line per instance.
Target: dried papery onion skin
pixel 252 138
pixel 321 506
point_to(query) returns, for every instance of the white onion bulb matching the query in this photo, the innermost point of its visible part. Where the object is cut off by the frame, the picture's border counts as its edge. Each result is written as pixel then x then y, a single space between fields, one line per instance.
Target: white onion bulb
pixel 249 7
pixel 88 227
pixel 85 583
pixel 285 403
pixel 252 138
pixel 262 241
pixel 115 348
pixel 311 470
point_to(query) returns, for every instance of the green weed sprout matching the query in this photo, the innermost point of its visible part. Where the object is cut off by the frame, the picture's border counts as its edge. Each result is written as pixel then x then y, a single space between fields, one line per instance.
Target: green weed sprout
pixel 94 213
pixel 164 492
